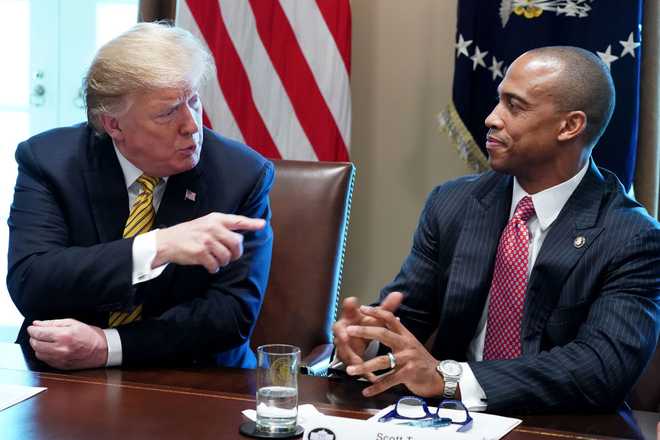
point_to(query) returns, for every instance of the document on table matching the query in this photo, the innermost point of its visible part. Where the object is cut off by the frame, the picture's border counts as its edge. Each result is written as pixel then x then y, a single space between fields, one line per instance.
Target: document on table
pixel 12 394
pixel 320 426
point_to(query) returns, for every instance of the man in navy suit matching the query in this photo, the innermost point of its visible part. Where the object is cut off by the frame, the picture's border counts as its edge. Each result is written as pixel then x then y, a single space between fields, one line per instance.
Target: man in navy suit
pixel 540 277
pixel 140 237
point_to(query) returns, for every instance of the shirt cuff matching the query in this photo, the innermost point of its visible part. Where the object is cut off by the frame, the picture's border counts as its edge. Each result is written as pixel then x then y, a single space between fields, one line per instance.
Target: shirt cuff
pixel 144 252
pixel 114 347
pixel 472 395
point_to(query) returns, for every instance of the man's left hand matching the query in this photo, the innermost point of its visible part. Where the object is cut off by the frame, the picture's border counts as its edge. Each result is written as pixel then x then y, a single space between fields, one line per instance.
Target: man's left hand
pixel 415 367
pixel 68 344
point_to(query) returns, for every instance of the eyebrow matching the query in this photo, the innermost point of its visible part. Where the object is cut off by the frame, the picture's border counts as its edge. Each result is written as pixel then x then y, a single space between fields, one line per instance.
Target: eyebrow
pixel 511 95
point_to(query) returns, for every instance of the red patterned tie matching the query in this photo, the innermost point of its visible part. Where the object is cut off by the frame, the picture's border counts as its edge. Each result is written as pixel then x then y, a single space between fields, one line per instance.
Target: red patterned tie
pixel 507 293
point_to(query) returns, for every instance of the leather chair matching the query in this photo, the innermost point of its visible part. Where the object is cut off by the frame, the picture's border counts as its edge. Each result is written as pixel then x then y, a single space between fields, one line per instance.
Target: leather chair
pixel 645 395
pixel 310 202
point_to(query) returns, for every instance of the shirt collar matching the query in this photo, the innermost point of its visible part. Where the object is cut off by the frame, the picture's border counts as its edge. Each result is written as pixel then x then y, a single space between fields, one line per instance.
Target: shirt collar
pixel 131 172
pixel 549 202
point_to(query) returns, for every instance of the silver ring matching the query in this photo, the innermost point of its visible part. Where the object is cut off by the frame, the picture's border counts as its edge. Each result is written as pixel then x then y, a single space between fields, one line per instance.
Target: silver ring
pixel 392 359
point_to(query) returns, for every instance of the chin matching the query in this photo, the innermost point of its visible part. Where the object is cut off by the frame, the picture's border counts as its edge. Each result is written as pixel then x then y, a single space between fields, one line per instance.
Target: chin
pixel 498 165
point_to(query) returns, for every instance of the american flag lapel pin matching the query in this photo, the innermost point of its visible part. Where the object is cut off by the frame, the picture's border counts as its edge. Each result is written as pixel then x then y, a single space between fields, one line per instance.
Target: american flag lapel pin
pixel 190 195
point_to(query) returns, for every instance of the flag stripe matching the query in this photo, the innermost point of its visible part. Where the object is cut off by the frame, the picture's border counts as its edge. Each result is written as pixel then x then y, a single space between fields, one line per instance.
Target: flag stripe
pixel 337 15
pixel 320 51
pixel 217 114
pixel 267 89
pixel 232 77
pixel 324 59
pixel 282 73
pixel 289 62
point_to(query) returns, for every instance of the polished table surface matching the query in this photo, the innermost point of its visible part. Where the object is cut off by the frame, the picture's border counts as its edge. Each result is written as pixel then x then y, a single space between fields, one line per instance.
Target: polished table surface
pixel 200 403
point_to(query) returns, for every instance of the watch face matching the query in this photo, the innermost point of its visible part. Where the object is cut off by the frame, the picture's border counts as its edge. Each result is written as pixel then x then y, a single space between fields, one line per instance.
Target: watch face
pixel 451 368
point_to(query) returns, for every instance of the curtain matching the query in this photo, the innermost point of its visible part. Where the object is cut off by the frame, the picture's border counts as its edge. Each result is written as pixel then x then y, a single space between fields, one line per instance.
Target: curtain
pixel 647 172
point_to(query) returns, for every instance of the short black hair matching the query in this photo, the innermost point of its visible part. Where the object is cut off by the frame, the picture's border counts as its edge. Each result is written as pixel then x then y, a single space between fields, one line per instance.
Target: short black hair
pixel 585 84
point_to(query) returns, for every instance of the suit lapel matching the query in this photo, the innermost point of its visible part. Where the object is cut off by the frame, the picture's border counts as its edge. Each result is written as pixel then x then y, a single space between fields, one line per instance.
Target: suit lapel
pixel 560 253
pixel 472 265
pixel 106 189
pixel 183 199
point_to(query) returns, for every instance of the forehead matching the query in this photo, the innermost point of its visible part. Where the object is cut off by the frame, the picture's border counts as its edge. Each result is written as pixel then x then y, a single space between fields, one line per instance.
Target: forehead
pixel 531 77
pixel 164 96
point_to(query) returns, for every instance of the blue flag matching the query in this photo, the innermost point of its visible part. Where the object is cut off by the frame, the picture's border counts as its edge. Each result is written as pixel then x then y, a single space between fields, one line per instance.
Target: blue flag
pixel 491 34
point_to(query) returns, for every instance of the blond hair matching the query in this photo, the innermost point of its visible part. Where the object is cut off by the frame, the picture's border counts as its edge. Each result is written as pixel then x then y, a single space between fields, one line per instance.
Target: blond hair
pixel 149 56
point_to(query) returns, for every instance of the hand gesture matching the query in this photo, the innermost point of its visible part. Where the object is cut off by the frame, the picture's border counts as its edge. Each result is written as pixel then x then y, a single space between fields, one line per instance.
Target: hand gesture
pixel 414 365
pixel 350 350
pixel 209 241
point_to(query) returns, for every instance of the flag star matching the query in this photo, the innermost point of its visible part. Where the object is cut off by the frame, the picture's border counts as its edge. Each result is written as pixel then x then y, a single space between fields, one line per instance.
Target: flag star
pixel 629 46
pixel 607 56
pixel 462 46
pixel 496 68
pixel 478 58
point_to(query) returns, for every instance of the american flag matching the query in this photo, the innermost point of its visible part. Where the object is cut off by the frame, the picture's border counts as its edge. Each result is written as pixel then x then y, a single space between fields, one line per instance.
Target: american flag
pixel 283 69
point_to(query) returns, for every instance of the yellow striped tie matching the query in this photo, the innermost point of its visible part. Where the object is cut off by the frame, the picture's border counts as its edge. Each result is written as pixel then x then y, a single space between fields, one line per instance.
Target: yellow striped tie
pixel 140 220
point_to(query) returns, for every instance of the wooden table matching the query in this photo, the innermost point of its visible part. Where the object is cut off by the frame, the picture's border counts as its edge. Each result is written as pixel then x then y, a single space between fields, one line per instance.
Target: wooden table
pixel 200 403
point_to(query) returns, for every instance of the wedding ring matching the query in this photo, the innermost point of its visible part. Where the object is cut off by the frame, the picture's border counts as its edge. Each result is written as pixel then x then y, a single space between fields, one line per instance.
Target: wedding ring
pixel 392 359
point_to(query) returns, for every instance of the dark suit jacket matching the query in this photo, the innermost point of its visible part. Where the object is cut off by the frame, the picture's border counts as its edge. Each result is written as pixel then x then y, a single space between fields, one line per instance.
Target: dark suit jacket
pixel 591 314
pixel 67 257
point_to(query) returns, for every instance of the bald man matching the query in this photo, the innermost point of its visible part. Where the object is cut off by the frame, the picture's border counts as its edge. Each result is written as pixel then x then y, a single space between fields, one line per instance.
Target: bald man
pixel 541 277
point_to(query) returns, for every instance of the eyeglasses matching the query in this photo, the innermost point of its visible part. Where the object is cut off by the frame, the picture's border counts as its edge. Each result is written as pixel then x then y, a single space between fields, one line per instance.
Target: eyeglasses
pixel 414 411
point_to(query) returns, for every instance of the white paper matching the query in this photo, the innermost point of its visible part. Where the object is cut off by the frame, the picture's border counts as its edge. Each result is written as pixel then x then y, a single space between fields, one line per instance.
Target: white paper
pixel 12 394
pixel 484 426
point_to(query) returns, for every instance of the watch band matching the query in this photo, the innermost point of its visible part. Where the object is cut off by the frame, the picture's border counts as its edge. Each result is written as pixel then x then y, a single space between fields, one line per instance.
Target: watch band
pixel 451 372
pixel 450 388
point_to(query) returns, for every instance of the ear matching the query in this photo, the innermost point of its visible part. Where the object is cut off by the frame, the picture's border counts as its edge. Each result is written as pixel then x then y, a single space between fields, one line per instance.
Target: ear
pixel 111 126
pixel 572 126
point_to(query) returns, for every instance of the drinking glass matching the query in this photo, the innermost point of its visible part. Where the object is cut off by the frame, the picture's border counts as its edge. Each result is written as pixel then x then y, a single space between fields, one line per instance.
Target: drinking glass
pixel 277 388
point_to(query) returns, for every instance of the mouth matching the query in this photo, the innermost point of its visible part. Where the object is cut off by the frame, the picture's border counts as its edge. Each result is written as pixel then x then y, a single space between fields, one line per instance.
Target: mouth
pixel 493 143
pixel 187 151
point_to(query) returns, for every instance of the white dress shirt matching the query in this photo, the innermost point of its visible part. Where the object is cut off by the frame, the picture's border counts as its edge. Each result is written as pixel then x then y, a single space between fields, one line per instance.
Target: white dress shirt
pixel 144 248
pixel 547 205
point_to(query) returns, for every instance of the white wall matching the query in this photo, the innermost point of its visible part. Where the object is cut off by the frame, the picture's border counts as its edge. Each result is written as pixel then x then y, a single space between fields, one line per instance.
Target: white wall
pixel 402 67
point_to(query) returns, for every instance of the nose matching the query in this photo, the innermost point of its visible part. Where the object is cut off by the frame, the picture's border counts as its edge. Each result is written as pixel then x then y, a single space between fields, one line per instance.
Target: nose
pixel 189 124
pixel 493 120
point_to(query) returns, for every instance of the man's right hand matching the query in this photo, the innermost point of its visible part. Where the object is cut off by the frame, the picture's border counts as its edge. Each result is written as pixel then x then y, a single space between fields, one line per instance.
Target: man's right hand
pixel 209 241
pixel 350 349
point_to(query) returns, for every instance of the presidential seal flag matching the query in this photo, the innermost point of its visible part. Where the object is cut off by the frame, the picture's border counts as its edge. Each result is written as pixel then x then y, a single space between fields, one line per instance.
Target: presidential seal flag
pixel 491 34
pixel 282 79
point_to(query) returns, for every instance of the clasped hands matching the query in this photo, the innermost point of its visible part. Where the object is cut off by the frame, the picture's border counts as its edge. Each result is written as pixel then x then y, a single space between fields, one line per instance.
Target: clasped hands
pixel 414 365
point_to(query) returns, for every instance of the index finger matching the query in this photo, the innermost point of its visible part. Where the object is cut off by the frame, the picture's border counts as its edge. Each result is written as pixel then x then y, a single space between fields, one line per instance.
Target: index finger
pixel 45 334
pixel 53 323
pixel 242 223
pixel 390 321
pixel 380 334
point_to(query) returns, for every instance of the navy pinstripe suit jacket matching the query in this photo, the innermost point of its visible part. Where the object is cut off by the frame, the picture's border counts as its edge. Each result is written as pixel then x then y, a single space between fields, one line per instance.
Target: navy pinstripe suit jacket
pixel 591 316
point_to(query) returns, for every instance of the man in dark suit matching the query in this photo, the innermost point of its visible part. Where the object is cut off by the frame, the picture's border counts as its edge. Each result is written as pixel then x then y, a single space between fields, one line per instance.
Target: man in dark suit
pixel 140 237
pixel 541 277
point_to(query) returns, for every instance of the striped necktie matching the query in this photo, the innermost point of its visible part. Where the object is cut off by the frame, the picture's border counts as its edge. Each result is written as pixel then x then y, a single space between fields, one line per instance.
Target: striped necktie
pixel 140 220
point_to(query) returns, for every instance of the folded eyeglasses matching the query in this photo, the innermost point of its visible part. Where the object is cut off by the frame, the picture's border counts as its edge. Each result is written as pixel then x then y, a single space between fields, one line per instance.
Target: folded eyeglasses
pixel 414 411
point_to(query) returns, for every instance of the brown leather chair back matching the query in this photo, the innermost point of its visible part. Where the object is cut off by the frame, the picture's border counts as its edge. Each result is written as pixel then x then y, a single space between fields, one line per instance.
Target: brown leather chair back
pixel 645 395
pixel 311 204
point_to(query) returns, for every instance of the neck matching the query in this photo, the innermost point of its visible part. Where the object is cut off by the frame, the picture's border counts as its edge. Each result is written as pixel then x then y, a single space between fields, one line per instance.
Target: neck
pixel 559 173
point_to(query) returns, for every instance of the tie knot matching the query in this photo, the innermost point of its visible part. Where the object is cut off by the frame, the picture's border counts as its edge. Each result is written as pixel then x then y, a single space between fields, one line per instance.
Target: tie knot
pixel 148 182
pixel 525 209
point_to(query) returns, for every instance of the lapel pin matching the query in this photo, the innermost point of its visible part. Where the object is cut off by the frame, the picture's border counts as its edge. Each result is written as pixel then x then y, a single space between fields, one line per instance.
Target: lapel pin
pixel 190 195
pixel 579 241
